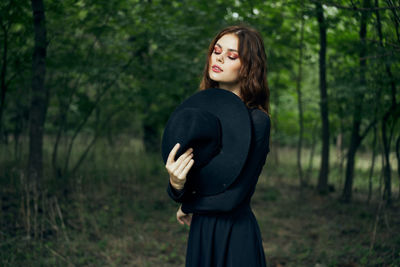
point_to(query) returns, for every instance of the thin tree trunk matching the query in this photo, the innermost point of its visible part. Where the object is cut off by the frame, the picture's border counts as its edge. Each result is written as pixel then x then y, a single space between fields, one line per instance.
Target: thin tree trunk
pixel 377 104
pixel 299 99
pixel 388 114
pixel 40 94
pixel 387 192
pixel 3 87
pixel 276 143
pixel 3 75
pixel 311 158
pixel 371 171
pixel 382 170
pixel 56 170
pixel 354 144
pixel 340 148
pixel 37 111
pixel 355 139
pixel 340 157
pixel 322 186
pixel 398 160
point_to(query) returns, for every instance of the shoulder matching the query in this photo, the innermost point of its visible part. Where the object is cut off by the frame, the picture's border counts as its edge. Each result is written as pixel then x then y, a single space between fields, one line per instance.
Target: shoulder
pixel 261 120
pixel 261 128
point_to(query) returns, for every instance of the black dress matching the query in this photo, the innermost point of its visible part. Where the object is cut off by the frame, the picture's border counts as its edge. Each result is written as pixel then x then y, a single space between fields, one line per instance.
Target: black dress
pixel 224 230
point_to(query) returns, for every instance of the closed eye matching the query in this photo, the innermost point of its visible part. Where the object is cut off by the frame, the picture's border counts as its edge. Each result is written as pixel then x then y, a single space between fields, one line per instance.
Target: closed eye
pixel 217 50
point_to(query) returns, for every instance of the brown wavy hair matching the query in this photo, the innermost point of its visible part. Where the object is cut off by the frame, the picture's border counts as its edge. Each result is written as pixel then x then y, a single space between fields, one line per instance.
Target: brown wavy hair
pixel 253 82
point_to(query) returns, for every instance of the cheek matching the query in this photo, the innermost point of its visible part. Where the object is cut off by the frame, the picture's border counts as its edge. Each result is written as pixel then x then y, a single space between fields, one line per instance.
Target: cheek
pixel 236 67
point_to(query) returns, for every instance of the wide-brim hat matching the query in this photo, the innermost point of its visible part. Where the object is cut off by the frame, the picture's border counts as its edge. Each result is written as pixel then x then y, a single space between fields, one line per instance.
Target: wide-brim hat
pixel 216 124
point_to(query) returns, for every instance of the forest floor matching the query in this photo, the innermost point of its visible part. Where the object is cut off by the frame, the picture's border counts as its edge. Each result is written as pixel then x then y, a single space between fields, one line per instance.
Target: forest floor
pixel 127 219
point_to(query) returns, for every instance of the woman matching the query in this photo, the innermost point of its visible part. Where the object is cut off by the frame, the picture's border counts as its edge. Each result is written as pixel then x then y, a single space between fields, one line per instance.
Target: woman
pixel 223 229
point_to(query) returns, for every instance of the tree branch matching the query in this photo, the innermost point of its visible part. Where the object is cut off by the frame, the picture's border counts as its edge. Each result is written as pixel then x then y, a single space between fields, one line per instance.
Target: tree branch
pixel 355 8
pixel 366 130
pixel 378 56
pixel 385 44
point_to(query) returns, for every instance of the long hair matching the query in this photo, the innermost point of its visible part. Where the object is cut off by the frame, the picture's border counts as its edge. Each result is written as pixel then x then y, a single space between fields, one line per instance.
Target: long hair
pixel 253 82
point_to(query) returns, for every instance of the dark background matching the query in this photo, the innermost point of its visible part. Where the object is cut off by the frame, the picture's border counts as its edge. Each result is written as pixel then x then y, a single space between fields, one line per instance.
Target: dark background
pixel 87 87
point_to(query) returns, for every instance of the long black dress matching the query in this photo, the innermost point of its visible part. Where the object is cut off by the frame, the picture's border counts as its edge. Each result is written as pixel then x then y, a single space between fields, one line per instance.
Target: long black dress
pixel 224 230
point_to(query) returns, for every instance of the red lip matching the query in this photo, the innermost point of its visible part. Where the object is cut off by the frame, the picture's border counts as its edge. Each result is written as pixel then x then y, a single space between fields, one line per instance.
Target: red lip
pixel 216 68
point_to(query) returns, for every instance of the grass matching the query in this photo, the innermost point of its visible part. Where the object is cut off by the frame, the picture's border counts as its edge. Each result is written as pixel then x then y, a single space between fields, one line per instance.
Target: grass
pixel 116 213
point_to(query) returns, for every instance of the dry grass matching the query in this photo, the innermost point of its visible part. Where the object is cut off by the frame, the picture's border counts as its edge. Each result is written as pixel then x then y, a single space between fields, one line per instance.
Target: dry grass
pixel 118 214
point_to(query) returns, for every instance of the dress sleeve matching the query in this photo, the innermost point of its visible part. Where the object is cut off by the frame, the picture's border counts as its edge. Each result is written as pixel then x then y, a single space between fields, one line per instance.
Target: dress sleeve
pixel 177 195
pixel 245 183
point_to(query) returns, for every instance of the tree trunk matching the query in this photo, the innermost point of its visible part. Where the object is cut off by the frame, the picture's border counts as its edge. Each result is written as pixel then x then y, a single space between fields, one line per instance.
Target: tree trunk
pixel 340 147
pixel 37 112
pixel 3 87
pixel 398 160
pixel 275 99
pixel 40 95
pixel 299 100
pixel 388 114
pixel 371 171
pixel 322 186
pixel 355 138
pixel 387 191
pixel 311 158
pixel 340 156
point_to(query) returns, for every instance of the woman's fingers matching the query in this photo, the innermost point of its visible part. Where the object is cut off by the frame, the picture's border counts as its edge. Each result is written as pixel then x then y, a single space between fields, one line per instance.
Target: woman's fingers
pixel 184 156
pixel 179 169
pixel 171 164
pixel 187 168
pixel 183 164
pixel 180 220
pixel 180 216
pixel 171 155
pixel 187 219
pixel 184 218
pixel 173 167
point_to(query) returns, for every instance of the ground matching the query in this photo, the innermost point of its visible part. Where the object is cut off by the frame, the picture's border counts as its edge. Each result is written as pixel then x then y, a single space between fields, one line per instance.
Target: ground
pixel 121 215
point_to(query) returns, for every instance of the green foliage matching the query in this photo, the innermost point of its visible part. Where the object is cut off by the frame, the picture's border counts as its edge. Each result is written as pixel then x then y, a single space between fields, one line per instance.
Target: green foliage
pixel 117 69
pixel 123 66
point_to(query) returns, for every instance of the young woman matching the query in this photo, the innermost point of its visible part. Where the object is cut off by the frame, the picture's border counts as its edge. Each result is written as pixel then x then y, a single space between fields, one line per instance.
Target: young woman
pixel 223 228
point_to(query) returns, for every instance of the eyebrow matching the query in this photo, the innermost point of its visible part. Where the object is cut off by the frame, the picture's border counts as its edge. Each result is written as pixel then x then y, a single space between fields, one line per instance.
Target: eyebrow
pixel 229 49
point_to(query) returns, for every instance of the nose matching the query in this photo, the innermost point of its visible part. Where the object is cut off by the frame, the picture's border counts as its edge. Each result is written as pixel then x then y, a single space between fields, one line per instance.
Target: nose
pixel 220 58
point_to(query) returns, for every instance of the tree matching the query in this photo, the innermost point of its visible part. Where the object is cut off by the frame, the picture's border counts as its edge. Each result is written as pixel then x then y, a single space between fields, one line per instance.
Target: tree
pixel 39 103
pixel 322 186
pixel 390 115
pixel 356 137
pixel 40 94
pixel 299 98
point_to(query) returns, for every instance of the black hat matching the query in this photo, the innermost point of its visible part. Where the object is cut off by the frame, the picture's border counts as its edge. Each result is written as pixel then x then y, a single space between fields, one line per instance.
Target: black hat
pixel 216 124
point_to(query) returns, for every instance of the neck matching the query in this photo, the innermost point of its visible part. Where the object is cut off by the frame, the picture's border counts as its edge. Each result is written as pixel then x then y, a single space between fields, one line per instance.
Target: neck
pixel 234 88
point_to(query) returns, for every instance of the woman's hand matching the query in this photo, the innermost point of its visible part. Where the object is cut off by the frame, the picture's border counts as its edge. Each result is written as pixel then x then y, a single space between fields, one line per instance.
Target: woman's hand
pixel 179 169
pixel 183 217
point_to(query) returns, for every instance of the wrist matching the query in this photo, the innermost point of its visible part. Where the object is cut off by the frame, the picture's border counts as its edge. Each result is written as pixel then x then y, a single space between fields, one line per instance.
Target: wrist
pixel 175 185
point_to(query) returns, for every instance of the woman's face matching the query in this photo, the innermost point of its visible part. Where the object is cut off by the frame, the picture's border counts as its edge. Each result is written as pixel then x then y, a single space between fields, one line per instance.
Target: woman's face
pixel 225 63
